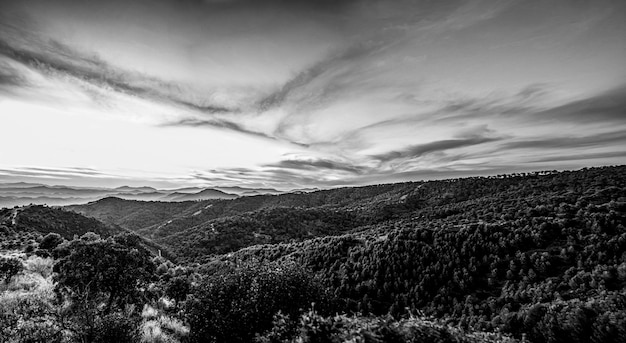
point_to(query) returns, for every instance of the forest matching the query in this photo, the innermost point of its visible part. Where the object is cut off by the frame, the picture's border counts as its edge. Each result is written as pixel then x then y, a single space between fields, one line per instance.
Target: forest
pixel 538 257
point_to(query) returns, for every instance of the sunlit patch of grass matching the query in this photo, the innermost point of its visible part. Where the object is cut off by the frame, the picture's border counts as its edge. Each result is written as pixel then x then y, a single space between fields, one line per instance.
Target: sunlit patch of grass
pixel 35 276
pixel 39 265
pixel 160 328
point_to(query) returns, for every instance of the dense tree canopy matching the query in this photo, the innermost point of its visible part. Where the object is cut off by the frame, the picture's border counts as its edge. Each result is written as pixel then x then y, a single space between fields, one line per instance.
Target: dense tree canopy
pixel 116 268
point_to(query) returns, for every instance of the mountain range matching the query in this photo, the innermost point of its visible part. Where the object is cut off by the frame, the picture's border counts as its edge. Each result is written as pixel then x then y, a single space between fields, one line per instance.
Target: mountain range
pixel 22 193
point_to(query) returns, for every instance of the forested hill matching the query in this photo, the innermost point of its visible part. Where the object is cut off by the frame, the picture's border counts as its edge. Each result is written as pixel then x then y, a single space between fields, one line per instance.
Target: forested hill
pixel 541 256
pixel 197 230
pixel 20 224
pixel 44 220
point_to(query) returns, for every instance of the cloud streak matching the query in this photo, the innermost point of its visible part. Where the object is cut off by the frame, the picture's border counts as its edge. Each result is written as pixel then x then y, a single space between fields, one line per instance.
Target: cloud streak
pixel 415 151
pixel 318 164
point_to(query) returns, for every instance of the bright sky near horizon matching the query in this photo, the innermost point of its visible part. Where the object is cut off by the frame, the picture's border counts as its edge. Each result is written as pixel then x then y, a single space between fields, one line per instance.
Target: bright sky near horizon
pixel 307 93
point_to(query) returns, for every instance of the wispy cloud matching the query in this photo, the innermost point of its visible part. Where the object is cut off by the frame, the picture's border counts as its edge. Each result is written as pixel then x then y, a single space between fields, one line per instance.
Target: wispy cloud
pixel 609 106
pixel 318 164
pixel 216 123
pixel 615 138
pixel 51 58
pixel 419 150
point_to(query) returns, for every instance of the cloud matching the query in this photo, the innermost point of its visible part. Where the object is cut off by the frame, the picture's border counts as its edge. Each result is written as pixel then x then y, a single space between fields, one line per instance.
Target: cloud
pixel 584 157
pixel 305 77
pixel 52 58
pixel 609 106
pixel 215 123
pixel 317 164
pixel 52 173
pixel 10 77
pixel 414 151
pixel 602 139
pixel 321 5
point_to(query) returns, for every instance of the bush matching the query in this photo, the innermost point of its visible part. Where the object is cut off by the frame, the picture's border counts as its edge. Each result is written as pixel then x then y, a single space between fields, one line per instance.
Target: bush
pixel 50 241
pixel 314 328
pixel 234 305
pixel 178 288
pixel 112 270
pixel 116 327
pixel 160 328
pixel 39 265
pixel 29 317
pixel 9 267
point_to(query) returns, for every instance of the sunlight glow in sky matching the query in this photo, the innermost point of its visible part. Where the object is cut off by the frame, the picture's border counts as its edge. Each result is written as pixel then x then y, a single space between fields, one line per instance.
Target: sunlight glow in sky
pixel 307 93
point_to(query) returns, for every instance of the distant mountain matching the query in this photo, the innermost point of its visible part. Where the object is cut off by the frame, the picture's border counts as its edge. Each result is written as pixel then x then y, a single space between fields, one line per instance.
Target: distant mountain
pixel 23 193
pixel 185 190
pixel 247 191
pixel 19 184
pixel 11 201
pixel 206 194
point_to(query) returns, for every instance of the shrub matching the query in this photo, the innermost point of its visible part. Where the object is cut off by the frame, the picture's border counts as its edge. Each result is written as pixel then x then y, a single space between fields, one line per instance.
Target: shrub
pixel 29 317
pixel 50 241
pixel 42 266
pixel 9 267
pixel 160 328
pixel 235 305
pixel 178 288
pixel 116 327
pixel 314 328
pixel 104 270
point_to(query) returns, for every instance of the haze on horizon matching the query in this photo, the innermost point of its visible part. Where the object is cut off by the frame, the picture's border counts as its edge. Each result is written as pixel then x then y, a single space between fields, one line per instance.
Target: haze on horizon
pixel 307 93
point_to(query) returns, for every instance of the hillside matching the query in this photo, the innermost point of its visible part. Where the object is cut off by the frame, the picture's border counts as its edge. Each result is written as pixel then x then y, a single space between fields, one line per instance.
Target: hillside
pixel 539 256
pixel 37 220
pixel 542 256
pixel 196 229
pixel 45 219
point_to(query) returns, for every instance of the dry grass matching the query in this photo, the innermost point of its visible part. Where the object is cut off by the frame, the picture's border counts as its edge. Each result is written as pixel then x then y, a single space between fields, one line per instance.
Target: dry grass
pixel 160 328
pixel 39 265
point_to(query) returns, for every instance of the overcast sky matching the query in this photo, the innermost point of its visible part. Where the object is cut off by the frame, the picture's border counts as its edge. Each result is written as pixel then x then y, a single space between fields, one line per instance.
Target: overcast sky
pixel 307 93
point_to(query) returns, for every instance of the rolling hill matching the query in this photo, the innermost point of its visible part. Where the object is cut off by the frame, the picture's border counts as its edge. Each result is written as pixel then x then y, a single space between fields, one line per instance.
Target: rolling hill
pixel 196 229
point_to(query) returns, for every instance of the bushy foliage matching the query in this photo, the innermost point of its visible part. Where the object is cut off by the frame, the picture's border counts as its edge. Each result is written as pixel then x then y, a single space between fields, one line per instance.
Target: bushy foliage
pixel 158 327
pixel 39 265
pixel 314 328
pixel 178 287
pixel 116 327
pixel 30 317
pixel 114 270
pixel 50 241
pixel 236 304
pixel 9 267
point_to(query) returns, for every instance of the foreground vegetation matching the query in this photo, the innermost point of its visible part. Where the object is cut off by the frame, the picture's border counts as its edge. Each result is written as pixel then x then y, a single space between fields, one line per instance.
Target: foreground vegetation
pixel 538 257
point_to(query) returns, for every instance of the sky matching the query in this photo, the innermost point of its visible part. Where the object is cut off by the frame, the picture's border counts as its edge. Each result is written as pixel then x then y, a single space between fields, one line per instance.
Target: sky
pixel 307 93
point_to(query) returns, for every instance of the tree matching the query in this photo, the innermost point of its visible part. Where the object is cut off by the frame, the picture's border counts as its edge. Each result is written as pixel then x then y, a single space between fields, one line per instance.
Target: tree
pixel 112 270
pixel 234 305
pixel 178 288
pixel 51 241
